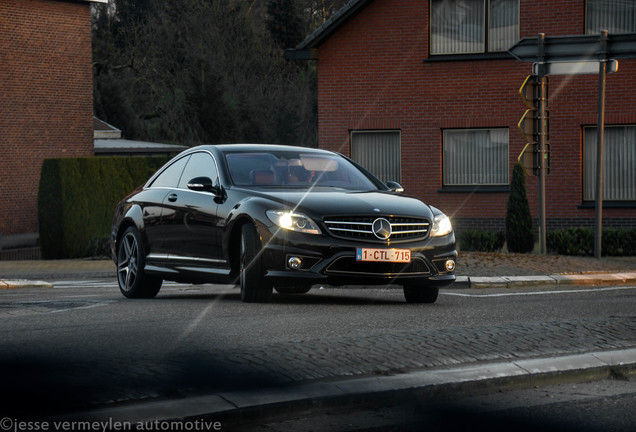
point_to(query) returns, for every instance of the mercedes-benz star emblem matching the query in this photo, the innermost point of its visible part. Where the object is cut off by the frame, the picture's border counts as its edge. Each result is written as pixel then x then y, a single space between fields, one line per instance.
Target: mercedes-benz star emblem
pixel 381 228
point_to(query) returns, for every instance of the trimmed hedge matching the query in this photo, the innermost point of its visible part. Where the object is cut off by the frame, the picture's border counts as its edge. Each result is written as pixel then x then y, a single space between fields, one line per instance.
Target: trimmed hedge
pixel 580 241
pixel 481 240
pixel 77 198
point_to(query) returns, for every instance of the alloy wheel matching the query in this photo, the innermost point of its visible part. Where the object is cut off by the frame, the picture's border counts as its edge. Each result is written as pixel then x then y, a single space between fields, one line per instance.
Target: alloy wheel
pixel 127 264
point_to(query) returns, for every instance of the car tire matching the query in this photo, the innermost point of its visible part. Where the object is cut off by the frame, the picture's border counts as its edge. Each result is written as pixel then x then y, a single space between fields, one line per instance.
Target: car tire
pixel 254 287
pixel 420 294
pixel 131 259
pixel 299 289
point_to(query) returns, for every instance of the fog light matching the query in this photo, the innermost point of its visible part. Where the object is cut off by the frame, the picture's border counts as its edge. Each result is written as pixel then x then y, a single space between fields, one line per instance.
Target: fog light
pixel 294 263
pixel 450 265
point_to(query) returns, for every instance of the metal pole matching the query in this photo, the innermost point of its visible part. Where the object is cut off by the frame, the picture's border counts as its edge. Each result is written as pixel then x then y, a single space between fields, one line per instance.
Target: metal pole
pixel 600 135
pixel 543 98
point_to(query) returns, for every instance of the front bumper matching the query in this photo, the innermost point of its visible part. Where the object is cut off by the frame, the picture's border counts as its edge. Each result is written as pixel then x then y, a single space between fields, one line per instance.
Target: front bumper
pixel 332 261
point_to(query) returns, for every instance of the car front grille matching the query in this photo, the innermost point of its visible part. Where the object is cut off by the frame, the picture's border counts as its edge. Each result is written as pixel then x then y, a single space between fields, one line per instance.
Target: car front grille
pixel 361 227
pixel 349 265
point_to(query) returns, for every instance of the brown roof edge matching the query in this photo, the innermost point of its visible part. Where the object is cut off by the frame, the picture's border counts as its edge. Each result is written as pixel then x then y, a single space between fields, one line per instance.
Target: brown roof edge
pixel 307 49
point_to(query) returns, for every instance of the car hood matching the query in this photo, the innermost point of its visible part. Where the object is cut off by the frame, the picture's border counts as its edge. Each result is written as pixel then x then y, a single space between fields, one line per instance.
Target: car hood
pixel 330 202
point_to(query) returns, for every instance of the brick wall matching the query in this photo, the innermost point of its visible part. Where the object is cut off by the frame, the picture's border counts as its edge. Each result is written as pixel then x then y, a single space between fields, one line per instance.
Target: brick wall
pixel 373 74
pixel 46 98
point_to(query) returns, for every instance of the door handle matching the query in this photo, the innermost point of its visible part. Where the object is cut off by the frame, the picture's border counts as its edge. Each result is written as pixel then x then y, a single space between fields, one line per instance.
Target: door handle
pixel 172 197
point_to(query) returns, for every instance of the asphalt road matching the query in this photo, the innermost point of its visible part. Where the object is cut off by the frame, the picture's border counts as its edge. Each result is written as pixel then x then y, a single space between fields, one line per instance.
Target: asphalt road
pixel 81 344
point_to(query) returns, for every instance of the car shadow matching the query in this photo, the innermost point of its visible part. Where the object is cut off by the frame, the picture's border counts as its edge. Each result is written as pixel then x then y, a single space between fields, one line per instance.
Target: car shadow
pixel 310 298
pixel 321 298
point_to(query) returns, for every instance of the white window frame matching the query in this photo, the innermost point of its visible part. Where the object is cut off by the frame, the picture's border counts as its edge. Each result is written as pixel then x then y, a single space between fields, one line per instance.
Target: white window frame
pixel 377 160
pixel 486 41
pixel 464 164
pixel 619 163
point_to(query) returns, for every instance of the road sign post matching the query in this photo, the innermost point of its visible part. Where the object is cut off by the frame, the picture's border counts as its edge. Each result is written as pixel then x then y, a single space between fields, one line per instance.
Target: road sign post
pixel 542 93
pixel 571 55
pixel 535 130
pixel 600 132
pixel 531 128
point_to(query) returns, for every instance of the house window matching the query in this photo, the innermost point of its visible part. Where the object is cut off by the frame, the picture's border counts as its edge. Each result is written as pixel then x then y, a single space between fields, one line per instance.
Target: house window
pixel 611 15
pixel 473 26
pixel 475 157
pixel 378 152
pixel 619 163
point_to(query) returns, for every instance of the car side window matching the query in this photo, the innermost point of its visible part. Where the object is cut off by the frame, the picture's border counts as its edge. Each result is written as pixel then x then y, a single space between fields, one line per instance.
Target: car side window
pixel 200 165
pixel 170 176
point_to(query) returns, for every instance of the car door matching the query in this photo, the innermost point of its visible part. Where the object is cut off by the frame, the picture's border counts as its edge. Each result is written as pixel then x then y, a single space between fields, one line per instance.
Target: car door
pixel 192 231
pixel 152 201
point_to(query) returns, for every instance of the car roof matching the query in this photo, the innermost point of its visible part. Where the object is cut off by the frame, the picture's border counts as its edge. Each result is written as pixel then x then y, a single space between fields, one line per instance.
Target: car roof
pixel 258 147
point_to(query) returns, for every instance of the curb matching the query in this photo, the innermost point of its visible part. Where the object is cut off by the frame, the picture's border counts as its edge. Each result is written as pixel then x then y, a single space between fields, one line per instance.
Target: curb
pixel 472 282
pixel 356 392
pixel 603 279
pixel 23 283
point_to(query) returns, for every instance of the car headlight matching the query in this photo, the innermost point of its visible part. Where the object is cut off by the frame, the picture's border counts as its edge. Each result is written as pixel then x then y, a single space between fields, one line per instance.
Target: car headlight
pixel 293 221
pixel 441 226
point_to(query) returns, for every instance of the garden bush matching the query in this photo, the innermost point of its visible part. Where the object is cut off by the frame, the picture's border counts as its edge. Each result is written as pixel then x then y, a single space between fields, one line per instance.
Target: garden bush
pixel 519 229
pixel 580 241
pixel 77 198
pixel 481 240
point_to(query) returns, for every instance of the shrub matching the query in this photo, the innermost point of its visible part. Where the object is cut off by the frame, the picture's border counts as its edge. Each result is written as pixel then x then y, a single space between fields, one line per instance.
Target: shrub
pixel 618 242
pixel 77 197
pixel 99 247
pixel 519 230
pixel 580 241
pixel 481 240
pixel 571 241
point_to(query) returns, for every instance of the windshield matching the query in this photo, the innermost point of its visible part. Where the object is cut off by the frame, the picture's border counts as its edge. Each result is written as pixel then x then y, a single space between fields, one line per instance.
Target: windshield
pixel 293 168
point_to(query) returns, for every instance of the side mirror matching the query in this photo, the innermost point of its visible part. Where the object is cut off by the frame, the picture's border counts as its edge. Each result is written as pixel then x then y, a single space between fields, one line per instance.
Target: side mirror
pixel 395 186
pixel 204 184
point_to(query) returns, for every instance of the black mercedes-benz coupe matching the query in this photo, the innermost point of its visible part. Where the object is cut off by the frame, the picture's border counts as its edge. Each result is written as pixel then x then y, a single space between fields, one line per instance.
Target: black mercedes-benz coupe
pixel 278 217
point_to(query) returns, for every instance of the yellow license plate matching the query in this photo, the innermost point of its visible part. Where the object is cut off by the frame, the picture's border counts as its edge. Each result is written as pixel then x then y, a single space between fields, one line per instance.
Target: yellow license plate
pixel 383 255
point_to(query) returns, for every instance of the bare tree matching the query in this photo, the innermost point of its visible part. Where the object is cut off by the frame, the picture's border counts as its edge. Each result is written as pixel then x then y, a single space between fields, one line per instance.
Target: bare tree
pixel 195 71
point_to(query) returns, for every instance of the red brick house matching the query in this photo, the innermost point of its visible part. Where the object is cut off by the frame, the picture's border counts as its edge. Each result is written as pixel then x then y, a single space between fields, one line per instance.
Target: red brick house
pixel 46 101
pixel 425 93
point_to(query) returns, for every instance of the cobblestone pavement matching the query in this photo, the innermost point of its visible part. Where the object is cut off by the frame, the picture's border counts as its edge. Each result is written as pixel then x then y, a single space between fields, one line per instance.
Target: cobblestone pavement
pixel 393 353
pixel 275 365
